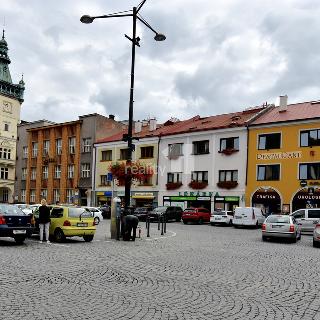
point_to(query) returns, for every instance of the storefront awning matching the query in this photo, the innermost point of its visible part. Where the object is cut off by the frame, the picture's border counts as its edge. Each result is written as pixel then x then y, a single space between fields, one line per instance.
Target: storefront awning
pixel 142 197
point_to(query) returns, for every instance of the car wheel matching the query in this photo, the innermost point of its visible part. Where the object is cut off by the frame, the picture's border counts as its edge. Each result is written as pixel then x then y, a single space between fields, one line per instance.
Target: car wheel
pixel 200 221
pixel 294 240
pixel 315 244
pixel 212 223
pixel 88 238
pixel 264 238
pixel 185 222
pixel 178 219
pixel 59 235
pixel 96 220
pixel 19 239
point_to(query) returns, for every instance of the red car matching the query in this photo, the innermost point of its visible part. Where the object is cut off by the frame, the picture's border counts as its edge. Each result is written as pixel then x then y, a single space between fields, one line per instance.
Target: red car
pixel 199 215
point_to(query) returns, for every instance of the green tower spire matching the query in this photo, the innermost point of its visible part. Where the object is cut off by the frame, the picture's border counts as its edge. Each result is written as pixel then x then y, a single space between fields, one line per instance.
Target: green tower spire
pixel 6 86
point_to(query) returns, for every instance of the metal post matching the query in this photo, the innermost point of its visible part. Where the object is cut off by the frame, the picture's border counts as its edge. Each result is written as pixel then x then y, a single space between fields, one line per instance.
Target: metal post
pixel 165 224
pixel 148 227
pixel 159 223
pixel 162 225
pixel 118 228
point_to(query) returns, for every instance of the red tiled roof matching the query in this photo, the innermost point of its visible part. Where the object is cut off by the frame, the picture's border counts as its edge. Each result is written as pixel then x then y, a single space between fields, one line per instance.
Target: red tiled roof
pixel 298 111
pixel 195 124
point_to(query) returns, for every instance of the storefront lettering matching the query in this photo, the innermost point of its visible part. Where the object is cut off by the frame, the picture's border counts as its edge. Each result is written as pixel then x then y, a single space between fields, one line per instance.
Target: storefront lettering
pixel 266 196
pixel 195 194
pixel 279 155
pixel 308 197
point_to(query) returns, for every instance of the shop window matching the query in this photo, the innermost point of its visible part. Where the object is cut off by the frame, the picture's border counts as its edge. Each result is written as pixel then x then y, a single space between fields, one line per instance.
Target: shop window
pixel 104 180
pixel 228 175
pixel 269 141
pixel 268 172
pixel 309 171
pixel 123 154
pixel 175 150
pixel 174 177
pixel 146 152
pixel 106 155
pixel 201 147
pixel 309 138
pixel 229 143
pixel 199 176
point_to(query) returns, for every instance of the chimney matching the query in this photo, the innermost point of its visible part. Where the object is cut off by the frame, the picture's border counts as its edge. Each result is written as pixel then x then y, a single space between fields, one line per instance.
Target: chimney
pixel 137 126
pixel 283 103
pixel 152 124
pixel 111 116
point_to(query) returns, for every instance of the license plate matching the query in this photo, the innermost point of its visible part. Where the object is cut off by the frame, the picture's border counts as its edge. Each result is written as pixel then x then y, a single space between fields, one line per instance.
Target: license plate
pixel 218 218
pixel 82 224
pixel 238 217
pixel 19 231
pixel 276 226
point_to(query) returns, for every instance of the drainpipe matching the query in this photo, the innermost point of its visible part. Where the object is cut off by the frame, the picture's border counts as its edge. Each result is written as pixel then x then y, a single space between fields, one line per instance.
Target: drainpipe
pixel 247 127
pixel 93 197
pixel 157 180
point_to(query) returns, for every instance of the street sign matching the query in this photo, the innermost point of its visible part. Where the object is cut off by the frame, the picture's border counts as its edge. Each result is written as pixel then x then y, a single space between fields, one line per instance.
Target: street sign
pixel 109 176
pixel 303 183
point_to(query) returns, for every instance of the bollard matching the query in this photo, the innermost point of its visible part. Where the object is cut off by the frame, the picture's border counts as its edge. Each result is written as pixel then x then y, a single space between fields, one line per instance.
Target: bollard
pixel 148 227
pixel 159 223
pixel 162 225
pixel 165 224
pixel 118 228
pixel 139 232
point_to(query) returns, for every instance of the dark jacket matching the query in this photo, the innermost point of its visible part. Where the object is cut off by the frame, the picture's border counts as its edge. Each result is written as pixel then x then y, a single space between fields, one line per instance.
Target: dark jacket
pixel 44 214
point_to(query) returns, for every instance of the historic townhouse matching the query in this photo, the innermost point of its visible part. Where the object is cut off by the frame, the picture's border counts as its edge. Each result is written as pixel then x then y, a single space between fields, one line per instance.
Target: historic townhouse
pixel 284 158
pixel 11 98
pixel 59 159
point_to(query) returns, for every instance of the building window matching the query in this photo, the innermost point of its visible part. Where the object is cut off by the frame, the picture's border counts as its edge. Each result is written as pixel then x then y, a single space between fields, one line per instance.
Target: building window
pixel 44 193
pixel 23 195
pixel 123 154
pixel 70 195
pixel 5 195
pixel 174 177
pixel 33 173
pixel 5 153
pixel 309 171
pixel 228 175
pixel 25 152
pixel 6 127
pixel 229 143
pixel 57 172
pixel 72 145
pixel 86 145
pixel 34 149
pixel 4 173
pixel 201 147
pixel 269 141
pixel 309 138
pixel 85 170
pixel 175 150
pixel 268 172
pixel 56 195
pixel 45 172
pixel 106 155
pixel 46 146
pixel 104 181
pixel 24 174
pixel 146 152
pixel 58 146
pixel 199 176
pixel 146 182
pixel 70 171
pixel 32 195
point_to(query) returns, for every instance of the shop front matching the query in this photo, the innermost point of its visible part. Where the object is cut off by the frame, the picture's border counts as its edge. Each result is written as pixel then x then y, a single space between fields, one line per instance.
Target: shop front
pixel 226 202
pixel 144 199
pixel 267 199
pixel 308 197
pixel 104 197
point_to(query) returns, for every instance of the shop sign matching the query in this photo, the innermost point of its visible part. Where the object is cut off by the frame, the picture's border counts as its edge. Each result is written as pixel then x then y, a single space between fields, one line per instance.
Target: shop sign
pixel 108 193
pixel 266 196
pixel 279 155
pixel 195 194
pixel 308 197
pixel 314 183
pixel 231 199
pixel 143 194
pixel 182 198
pixel 219 198
pixel 120 194
pixel 204 198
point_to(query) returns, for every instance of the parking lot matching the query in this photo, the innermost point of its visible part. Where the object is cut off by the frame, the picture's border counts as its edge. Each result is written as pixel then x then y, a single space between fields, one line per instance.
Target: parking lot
pixel 193 272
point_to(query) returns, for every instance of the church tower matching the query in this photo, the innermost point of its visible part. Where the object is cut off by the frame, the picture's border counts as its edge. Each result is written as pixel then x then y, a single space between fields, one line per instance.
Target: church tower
pixel 11 98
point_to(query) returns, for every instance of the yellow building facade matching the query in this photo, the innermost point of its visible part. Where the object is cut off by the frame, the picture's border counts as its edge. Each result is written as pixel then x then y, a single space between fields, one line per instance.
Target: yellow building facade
pixel 283 170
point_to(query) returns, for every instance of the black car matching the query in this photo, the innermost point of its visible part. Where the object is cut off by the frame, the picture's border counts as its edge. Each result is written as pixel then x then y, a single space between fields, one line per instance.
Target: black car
pixel 14 223
pixel 170 213
pixel 106 211
pixel 142 212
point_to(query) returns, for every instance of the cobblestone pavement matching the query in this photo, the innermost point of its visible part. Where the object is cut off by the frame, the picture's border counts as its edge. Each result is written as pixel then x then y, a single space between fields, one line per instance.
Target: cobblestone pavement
pixel 196 272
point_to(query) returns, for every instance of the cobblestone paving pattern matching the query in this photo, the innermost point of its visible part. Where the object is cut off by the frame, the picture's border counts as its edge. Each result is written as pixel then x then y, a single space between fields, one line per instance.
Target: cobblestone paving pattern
pixel 197 272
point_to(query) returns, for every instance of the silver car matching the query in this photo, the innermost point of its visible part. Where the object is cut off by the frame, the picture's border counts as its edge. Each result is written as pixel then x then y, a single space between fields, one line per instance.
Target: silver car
pixel 281 226
pixel 316 236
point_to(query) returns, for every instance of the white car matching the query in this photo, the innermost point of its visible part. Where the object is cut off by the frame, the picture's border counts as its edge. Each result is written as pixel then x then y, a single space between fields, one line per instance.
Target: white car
pixel 221 217
pixel 97 214
pixel 248 216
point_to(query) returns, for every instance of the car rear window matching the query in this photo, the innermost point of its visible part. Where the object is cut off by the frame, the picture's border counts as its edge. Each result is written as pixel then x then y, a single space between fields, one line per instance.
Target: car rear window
pixel 160 209
pixel 189 210
pixel 10 210
pixel 278 219
pixel 76 212
pixel 219 213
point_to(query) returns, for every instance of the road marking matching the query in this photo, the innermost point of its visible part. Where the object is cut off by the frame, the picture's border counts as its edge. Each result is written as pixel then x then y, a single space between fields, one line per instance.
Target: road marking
pixel 163 237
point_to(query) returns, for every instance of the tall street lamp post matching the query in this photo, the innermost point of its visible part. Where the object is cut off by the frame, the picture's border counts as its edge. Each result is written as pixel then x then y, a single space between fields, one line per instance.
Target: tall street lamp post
pixel 134 13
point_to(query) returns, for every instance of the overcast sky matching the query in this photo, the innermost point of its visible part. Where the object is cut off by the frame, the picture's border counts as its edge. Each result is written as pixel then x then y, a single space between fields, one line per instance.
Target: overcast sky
pixel 220 56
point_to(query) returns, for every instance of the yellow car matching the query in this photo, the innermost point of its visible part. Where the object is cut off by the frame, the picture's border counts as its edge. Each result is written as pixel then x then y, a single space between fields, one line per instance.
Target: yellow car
pixel 70 221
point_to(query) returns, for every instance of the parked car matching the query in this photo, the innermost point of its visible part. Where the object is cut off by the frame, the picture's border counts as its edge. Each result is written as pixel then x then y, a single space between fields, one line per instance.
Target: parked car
pixel 24 207
pixel 281 226
pixel 170 213
pixel 97 214
pixel 106 211
pixel 69 221
pixel 14 223
pixel 308 218
pixel 199 215
pixel 142 212
pixel 248 216
pixel 316 236
pixel 221 217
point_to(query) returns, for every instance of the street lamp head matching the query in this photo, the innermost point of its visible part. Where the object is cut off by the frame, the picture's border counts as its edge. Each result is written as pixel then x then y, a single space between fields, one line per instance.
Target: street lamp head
pixel 159 37
pixel 86 19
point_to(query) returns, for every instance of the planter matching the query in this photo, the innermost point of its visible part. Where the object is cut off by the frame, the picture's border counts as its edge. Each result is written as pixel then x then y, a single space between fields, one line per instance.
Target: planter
pixel 227 184
pixel 198 185
pixel 228 151
pixel 173 185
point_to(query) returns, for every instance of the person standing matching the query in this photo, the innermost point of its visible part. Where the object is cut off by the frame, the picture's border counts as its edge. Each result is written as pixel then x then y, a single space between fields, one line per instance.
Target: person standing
pixel 44 220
